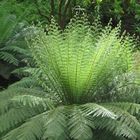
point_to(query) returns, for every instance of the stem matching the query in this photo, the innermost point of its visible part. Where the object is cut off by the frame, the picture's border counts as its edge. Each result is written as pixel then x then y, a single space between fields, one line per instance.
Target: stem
pixel 52 7
pixel 40 12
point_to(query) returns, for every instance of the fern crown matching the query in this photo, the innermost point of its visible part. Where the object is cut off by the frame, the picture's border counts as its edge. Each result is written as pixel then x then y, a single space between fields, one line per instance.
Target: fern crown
pixel 79 61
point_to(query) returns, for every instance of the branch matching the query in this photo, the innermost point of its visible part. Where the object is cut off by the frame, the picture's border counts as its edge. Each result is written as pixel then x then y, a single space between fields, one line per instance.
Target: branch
pixel 67 3
pixel 60 10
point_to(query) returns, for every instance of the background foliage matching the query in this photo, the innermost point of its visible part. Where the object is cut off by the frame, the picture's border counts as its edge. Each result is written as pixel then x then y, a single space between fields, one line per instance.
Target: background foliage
pixel 41 10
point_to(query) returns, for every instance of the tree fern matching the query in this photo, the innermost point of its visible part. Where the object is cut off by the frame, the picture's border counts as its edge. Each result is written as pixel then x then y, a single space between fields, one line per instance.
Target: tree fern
pixel 86 72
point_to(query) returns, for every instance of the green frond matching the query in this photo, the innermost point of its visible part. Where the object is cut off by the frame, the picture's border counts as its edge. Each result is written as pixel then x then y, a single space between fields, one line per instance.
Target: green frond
pixel 13 47
pixel 80 125
pixel 127 88
pixel 126 118
pixel 8 57
pixel 90 120
pixel 5 105
pixel 77 65
pixel 115 127
pixel 31 130
pixel 11 92
pixel 26 71
pixel 6 96
pixel 26 82
pixel 106 135
pixel 8 23
pixel 14 117
pixel 34 78
pixel 16 50
pixel 97 110
pixel 56 125
pixel 132 108
pixel 33 101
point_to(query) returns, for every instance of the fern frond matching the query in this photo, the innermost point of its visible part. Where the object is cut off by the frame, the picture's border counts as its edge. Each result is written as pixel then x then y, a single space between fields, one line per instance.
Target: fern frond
pixel 8 58
pixel 126 118
pixel 97 110
pixel 6 97
pixel 80 126
pixel 77 65
pixel 31 130
pixel 16 50
pixel 56 124
pixel 132 108
pixel 16 116
pixel 33 101
pixel 115 127
pixel 26 82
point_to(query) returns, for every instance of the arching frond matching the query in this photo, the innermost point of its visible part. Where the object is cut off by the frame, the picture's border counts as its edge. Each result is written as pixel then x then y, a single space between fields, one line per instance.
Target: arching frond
pixel 14 117
pixel 8 58
pixel 97 110
pixel 33 101
pixel 76 64
pixel 80 126
pixel 126 118
pixel 7 97
pixel 56 124
pixel 116 128
pixel 132 108
pixel 26 82
pixel 31 130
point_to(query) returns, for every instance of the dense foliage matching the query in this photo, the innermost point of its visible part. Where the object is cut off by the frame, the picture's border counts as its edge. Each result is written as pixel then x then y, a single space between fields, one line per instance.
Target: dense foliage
pixel 13 47
pixel 78 78
pixel 89 87
pixel 63 10
pixel 126 10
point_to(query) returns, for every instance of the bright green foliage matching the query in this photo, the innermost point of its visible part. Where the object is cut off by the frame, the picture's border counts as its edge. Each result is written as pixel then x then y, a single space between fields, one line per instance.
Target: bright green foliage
pixel 82 60
pixel 91 91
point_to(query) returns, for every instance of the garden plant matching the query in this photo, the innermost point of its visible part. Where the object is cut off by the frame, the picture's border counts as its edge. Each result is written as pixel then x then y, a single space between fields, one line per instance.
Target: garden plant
pixel 89 88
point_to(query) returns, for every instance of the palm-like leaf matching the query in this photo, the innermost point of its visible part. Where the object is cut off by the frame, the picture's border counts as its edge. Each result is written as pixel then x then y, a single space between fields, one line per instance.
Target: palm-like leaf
pixel 82 70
